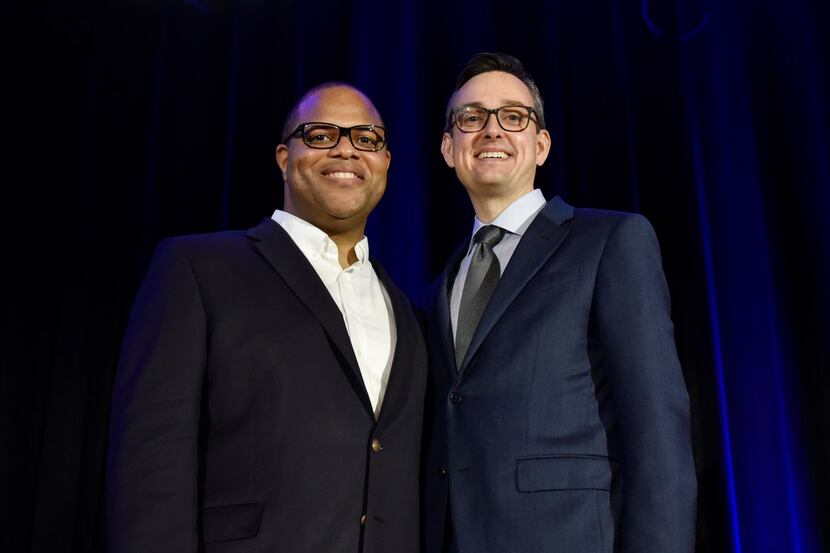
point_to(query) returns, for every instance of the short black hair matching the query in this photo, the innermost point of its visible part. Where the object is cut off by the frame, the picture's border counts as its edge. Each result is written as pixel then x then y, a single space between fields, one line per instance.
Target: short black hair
pixel 485 62
pixel 291 119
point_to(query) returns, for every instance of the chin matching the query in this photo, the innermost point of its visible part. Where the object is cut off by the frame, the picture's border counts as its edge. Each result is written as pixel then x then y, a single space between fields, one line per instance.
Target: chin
pixel 343 212
pixel 344 215
pixel 489 183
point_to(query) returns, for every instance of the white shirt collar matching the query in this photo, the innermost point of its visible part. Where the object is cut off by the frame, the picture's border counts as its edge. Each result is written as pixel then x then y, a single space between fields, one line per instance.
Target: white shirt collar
pixel 314 242
pixel 517 216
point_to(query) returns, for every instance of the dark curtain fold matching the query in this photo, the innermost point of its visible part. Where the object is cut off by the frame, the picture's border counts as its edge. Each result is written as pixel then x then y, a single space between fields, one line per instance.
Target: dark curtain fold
pixel 138 120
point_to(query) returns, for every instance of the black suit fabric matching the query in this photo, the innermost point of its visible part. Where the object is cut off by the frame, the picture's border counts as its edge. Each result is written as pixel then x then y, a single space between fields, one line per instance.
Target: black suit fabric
pixel 566 427
pixel 240 421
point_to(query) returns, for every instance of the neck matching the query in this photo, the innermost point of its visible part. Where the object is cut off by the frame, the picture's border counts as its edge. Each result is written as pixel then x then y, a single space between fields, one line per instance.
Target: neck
pixel 345 246
pixel 488 208
pixel 344 233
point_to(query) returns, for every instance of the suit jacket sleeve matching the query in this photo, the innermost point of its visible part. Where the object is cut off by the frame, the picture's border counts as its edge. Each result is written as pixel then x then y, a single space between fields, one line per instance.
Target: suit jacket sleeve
pixel 648 392
pixel 152 466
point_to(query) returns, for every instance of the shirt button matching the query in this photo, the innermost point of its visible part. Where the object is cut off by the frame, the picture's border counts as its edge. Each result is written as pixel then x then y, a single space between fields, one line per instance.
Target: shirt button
pixel 455 397
pixel 376 447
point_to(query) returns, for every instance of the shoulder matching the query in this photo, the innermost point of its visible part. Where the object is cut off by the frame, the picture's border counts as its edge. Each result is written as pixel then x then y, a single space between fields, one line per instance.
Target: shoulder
pixel 613 226
pixel 601 221
pixel 202 246
pixel 199 253
pixel 609 218
pixel 210 239
pixel 622 239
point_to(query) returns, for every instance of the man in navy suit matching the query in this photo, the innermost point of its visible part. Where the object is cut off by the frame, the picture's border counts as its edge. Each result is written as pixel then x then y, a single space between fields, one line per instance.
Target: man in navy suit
pixel 559 417
pixel 270 391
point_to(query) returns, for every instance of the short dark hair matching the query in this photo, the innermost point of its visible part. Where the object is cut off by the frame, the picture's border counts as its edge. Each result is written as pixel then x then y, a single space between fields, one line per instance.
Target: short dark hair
pixel 291 119
pixel 485 62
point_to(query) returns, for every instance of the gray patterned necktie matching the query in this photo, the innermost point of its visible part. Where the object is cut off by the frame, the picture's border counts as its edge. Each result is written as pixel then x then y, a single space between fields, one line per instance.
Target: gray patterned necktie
pixel 482 278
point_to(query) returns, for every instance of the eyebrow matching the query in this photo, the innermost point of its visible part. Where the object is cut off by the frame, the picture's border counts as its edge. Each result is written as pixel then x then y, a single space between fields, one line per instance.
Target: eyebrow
pixel 505 102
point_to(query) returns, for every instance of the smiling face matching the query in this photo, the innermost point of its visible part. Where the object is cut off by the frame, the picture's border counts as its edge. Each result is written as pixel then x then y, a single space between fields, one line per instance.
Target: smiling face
pixel 333 189
pixel 494 164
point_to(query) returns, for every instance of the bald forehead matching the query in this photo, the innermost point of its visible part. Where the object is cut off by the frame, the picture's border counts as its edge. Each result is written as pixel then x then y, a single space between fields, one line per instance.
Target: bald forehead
pixel 322 103
pixel 344 101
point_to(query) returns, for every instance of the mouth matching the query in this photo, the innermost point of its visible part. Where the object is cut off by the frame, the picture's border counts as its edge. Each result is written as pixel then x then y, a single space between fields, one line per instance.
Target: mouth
pixel 340 174
pixel 493 155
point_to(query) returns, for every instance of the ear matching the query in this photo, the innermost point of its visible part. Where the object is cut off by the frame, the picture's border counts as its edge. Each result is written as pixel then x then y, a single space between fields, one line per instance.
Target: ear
pixel 542 146
pixel 388 158
pixel 282 158
pixel 446 149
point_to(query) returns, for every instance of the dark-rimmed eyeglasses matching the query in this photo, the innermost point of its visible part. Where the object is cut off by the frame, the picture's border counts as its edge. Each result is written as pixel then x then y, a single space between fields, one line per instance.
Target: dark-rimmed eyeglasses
pixel 369 138
pixel 474 118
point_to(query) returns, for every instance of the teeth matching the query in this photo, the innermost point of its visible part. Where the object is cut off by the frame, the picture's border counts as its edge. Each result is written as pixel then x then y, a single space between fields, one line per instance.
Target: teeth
pixel 343 175
pixel 499 155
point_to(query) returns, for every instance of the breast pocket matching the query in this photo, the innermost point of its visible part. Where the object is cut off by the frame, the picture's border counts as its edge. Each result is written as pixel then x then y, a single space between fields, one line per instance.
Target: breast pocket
pixel 231 522
pixel 545 281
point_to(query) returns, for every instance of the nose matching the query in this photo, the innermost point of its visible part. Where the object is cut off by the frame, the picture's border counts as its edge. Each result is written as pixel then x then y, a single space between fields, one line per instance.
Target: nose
pixel 492 129
pixel 344 148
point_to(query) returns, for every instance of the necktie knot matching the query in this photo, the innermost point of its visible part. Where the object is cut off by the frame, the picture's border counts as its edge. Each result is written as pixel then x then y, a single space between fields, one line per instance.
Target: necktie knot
pixel 489 235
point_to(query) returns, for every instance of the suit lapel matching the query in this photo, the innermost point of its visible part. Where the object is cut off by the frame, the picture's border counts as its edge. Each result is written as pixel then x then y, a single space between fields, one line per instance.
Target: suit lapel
pixel 400 374
pixel 277 247
pixel 442 323
pixel 540 241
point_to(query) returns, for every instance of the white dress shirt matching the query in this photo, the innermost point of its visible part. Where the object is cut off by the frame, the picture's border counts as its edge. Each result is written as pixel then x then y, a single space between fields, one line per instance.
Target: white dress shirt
pixel 362 299
pixel 514 219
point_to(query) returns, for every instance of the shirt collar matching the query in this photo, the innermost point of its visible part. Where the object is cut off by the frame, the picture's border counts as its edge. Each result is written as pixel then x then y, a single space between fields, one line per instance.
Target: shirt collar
pixel 516 217
pixel 313 242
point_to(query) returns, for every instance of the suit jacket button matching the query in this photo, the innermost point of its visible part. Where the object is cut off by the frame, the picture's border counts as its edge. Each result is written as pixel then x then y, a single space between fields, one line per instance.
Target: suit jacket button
pixel 442 470
pixel 455 397
pixel 363 520
pixel 376 447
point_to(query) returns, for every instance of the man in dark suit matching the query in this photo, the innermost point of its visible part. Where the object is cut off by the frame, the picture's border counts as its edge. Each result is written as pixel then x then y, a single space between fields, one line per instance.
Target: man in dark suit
pixel 559 418
pixel 270 390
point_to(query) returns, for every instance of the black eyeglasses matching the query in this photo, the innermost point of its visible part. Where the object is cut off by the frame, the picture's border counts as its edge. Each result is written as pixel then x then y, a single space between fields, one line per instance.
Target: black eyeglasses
pixel 474 118
pixel 369 138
